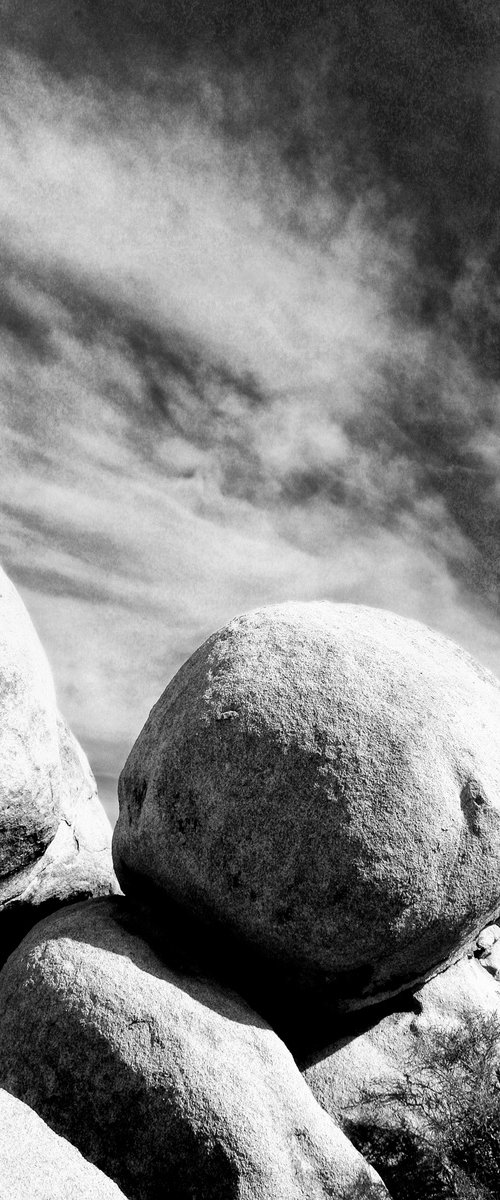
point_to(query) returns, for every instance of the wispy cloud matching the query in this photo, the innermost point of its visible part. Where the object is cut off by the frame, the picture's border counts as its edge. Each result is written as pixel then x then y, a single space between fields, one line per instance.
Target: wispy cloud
pixel 240 360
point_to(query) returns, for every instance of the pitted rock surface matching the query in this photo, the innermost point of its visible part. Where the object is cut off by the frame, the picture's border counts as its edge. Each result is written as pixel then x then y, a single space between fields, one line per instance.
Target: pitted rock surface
pixel 37 1164
pixel 320 785
pixel 55 838
pixel 169 1083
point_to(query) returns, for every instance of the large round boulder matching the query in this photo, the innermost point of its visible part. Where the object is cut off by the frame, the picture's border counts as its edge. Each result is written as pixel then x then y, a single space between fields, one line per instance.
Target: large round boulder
pixel 319 786
pixel 170 1084
pixel 55 838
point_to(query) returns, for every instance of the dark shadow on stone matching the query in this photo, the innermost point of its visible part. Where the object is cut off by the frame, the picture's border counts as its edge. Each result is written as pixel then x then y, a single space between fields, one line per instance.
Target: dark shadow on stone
pixel 309 1019
pixel 409 1168
pixel 472 801
pixel 20 918
pixel 186 967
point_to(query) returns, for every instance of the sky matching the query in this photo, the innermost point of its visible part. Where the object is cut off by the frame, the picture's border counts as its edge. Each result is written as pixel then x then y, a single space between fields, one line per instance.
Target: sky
pixel 249 325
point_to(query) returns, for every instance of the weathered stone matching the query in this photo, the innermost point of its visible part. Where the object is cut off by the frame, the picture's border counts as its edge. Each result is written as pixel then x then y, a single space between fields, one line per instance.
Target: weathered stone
pixel 491 960
pixel 55 838
pixel 360 1077
pixel 488 937
pixel 37 1164
pixel 418 1093
pixel 29 752
pixel 170 1084
pixel 319 786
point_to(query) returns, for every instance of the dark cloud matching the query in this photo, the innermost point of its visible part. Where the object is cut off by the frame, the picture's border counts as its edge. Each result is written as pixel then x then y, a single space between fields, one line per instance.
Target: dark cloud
pixel 415 439
pixel 396 102
pixel 183 386
pixel 58 583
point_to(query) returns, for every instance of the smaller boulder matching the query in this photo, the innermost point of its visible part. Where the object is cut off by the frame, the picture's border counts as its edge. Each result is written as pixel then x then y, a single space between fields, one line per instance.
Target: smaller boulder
pixel 55 838
pixel 29 753
pixel 490 960
pixel 37 1164
pixel 77 862
pixel 488 937
pixel 419 1090
pixel 170 1084
pixel 376 1063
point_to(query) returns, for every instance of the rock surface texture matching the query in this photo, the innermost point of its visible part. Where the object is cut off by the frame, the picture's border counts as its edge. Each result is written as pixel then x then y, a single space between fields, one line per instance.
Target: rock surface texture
pixel 419 1092
pixel 171 1085
pixel 388 1059
pixel 488 950
pixel 319 787
pixel 55 838
pixel 37 1164
pixel 29 749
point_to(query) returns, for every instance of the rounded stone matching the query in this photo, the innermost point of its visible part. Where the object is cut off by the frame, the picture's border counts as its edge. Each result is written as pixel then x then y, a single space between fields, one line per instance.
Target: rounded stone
pixel 167 1082
pixel 320 785
pixel 29 750
pixel 55 838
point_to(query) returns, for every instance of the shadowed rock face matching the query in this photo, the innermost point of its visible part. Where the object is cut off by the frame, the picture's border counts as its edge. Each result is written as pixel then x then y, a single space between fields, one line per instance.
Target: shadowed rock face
pixel 319 786
pixel 168 1082
pixel 55 837
pixel 36 1163
pixel 376 1077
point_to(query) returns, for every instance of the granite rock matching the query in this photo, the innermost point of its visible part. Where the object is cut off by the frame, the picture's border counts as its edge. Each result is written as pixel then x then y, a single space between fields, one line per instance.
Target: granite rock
pixel 358 1076
pixel 488 937
pixel 37 1164
pixel 55 838
pixel 168 1083
pixel 30 774
pixel 319 788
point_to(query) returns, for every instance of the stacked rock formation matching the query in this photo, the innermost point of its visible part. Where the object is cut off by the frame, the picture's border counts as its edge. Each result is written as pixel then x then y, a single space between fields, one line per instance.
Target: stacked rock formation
pixel 309 830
